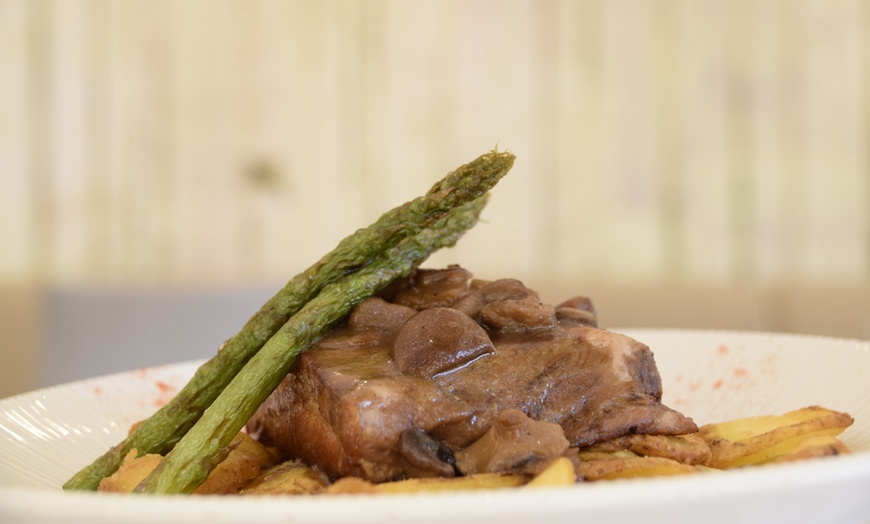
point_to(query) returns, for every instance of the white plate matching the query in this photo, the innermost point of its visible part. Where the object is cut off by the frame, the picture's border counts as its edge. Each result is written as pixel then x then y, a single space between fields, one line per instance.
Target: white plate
pixel 47 435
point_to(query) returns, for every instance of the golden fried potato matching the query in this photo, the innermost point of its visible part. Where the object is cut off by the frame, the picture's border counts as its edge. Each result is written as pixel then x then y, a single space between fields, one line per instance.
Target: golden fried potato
pixel 245 462
pixel 351 486
pixel 757 440
pixel 586 455
pixel 687 449
pixel 559 472
pixel 131 473
pixel 418 485
pixel 813 447
pixel 471 482
pixel 289 478
pixel 599 465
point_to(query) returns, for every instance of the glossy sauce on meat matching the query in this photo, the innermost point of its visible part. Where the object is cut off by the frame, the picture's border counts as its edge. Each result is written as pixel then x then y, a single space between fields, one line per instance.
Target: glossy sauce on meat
pixel 423 371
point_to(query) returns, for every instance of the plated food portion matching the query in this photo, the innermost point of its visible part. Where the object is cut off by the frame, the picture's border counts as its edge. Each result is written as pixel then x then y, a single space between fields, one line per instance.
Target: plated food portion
pixel 446 382
pixel 369 374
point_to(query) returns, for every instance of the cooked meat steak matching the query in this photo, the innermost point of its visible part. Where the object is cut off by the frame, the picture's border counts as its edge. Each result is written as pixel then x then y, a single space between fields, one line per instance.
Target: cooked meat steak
pixel 438 357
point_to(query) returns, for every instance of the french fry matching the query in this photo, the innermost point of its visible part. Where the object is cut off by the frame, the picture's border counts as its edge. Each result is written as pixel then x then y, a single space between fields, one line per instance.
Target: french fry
pixel 559 472
pixel 351 486
pixel 687 449
pixel 814 447
pixel 132 471
pixel 289 478
pixel 348 485
pixel 247 460
pixel 757 440
pixel 598 465
pixel 471 482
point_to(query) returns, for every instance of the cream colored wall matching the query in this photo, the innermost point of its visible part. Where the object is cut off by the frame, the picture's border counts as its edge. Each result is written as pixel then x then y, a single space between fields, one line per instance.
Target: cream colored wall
pixel 159 141
pixel 673 144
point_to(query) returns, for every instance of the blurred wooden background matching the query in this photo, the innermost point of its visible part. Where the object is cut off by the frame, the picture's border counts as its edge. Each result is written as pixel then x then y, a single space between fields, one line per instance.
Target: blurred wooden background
pixel 229 142
pixel 163 141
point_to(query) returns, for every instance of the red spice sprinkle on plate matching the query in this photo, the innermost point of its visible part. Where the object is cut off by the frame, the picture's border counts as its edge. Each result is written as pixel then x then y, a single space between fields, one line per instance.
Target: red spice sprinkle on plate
pixel 163 386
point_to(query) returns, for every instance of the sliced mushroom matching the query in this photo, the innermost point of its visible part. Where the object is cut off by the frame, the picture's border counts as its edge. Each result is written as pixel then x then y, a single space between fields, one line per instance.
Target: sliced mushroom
pixel 527 314
pixel 515 443
pixel 423 456
pixel 427 288
pixel 577 310
pixel 377 313
pixel 439 340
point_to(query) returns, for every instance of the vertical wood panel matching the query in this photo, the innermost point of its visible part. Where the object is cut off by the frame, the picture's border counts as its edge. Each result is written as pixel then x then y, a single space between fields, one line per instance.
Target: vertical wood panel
pixel 630 246
pixel 351 116
pixel 740 104
pixel 864 150
pixel 544 63
pixel 260 166
pixel 578 191
pixel 130 141
pixel 102 147
pixel 39 137
pixel 768 115
pixel 269 162
pixel 16 225
pixel 793 135
pixel 206 170
pixel 67 112
pixel 708 243
pixel 836 179
pixel 669 134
